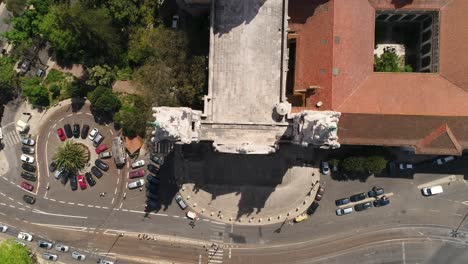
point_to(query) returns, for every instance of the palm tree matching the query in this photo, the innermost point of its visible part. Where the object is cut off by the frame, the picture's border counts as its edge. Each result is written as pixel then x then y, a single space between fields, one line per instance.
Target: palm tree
pixel 71 156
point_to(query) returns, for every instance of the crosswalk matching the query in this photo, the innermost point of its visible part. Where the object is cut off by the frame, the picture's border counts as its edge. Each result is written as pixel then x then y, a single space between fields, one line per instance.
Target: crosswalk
pixel 217 236
pixel 10 138
pixel 164 147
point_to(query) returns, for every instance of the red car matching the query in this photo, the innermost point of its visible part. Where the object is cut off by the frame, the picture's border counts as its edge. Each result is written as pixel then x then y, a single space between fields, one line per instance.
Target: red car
pixel 101 148
pixel 136 174
pixel 61 134
pixel 82 182
pixel 27 186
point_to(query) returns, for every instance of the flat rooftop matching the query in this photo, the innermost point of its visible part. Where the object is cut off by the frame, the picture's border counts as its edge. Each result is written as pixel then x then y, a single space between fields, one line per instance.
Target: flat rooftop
pixel 245 69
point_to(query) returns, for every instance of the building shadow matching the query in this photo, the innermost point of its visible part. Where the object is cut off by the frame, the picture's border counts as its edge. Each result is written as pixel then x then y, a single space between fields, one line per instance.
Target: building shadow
pixel 401 3
pixel 300 10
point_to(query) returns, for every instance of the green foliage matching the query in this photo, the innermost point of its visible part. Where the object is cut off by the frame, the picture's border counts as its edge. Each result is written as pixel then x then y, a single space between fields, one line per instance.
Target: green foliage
pixel 334 162
pixel 389 62
pixel 8 79
pixel 100 75
pixel 14 253
pixel 54 90
pixel 71 156
pixel 124 12
pixel 55 76
pixel 133 117
pixel 376 164
pixel 36 93
pixel 104 101
pixel 16 6
pixel 139 45
pixel 354 164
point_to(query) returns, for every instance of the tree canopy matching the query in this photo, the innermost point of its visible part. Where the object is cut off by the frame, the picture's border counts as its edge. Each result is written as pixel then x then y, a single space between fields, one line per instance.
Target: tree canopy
pixel 71 156
pixel 35 91
pixel 390 62
pixel 104 101
pixel 14 253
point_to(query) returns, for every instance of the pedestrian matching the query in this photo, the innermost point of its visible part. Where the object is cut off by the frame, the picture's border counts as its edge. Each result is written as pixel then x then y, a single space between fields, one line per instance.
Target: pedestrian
pixel 141 189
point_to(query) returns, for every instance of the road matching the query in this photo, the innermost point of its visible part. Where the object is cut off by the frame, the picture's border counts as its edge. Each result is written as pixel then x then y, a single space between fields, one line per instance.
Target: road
pixel 92 223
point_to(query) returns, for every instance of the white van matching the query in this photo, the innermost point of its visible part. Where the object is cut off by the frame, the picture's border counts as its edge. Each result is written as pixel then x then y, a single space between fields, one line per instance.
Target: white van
pixel 1 134
pixel 429 191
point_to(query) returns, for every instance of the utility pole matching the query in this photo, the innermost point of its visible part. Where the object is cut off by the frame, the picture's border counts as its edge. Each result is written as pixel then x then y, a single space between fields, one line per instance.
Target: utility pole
pixel 455 232
pixel 113 244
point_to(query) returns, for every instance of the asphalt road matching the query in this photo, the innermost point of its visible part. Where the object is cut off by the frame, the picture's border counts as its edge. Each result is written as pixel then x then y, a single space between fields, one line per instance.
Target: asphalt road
pixel 91 223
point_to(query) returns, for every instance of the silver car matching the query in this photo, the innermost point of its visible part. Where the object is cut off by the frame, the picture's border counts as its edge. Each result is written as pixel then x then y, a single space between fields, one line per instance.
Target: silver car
pixel 180 202
pixel 62 248
pixel 136 184
pixel 344 211
pixel 44 244
pixel 49 256
pixel 78 256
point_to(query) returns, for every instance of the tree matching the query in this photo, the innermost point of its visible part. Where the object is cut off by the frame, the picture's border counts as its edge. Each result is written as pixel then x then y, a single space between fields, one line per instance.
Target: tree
pixel 133 117
pixel 104 101
pixel 54 90
pixel 14 253
pixel 389 62
pixel 100 75
pixel 354 164
pixel 375 164
pixel 36 93
pixel 71 156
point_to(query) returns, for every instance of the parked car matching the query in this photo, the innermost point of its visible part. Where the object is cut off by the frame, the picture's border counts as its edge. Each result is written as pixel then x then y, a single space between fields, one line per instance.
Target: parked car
pixel 138 163
pixel 29 199
pixel 26 186
pixel 98 140
pixel 153 169
pixel 406 166
pixel 103 261
pixel 312 208
pixel 78 256
pixel 192 215
pixel 101 148
pixel 325 168
pixel 27 150
pixel 157 159
pixel 28 141
pixel 136 174
pixel 180 202
pixel 49 256
pixel 101 165
pixel 3 228
pixel 441 161
pixel 28 167
pixel 96 172
pixel 64 176
pixel 52 166
pixel 25 236
pixel 358 197
pixel 93 134
pixel 58 173
pixel 300 218
pixel 433 190
pixel 84 131
pixel 175 21
pixel 61 134
pixel 105 155
pixel 375 191
pixel 27 159
pixel 62 248
pixel 44 244
pixel 76 130
pixel 73 182
pixel 41 72
pixel 153 179
pixel 362 206
pixel 136 184
pixel 381 202
pixel 81 182
pixel 342 201
pixel 152 196
pixel 68 130
pixel 89 179
pixel 28 176
pixel 320 193
pixel 343 211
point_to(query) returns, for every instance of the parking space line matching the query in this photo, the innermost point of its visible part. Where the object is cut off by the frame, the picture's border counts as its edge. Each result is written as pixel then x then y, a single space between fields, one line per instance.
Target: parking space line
pixel 12 206
pixel 112 200
pixel 2 194
pixel 120 206
pixel 4 204
pixel 71 203
pixel 62 202
pixel 10 198
pixel 115 192
pixel 55 124
pixel 52 199
pixel 97 206
pixel 105 207
pixel 89 205
pixel 60 120
pixel 80 204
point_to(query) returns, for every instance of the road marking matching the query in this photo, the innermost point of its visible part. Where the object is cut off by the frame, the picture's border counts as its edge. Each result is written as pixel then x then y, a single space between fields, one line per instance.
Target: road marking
pixel 69 115
pixel 38 169
pixel 62 215
pixel 22 209
pixel 118 179
pixel 112 200
pixel 60 120
pixel 89 114
pixel 105 207
pixel 62 202
pixel 52 199
pixel 121 205
pixel 206 220
pixel 125 210
pixel 421 233
pixel 97 206
pixel 71 203
pixel 115 209
pixel 48 135
pixel 12 206
pixel 80 113
pixel 229 253
pixel 112 133
pixel 115 192
pixel 89 205
pixel 10 198
pixel 162 214
pixel 457 214
pixel 432 210
pixel 2 194
pixel 80 204
pixel 465 202
pixel 403 252
pixel 199 259
pixel 4 178
pixel 55 124
pixel 20 203
pixel 4 204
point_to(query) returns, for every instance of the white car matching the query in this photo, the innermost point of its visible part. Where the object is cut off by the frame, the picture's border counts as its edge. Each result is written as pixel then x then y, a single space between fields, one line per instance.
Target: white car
pixel 58 173
pixel 136 184
pixel 28 141
pixel 325 168
pixel 343 211
pixel 62 248
pixel 192 215
pixel 25 236
pixel 93 133
pixel 447 159
pixel 49 256
pixel 103 261
pixel 27 158
pixel 78 256
pixel 433 190
pixel 3 228
pixel 138 164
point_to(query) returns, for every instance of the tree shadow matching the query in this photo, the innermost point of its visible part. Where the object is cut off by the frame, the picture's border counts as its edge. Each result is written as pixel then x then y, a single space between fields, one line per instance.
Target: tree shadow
pixel 77 104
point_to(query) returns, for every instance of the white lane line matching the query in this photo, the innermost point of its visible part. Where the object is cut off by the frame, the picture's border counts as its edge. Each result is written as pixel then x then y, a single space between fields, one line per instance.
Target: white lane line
pixel 12 206
pixel 403 252
pixel 47 161
pixel 115 192
pixel 118 179
pixel 80 204
pixel 22 209
pixel 112 201
pixel 20 203
pixel 457 214
pixel 71 203
pixel 55 124
pixel 89 205
pixel 80 113
pixel 62 215
pixel 138 212
pixel 105 207
pixel 162 214
pixel 89 114
pixel 176 216
pixel 69 115
pixel 120 206
pixel 229 253
pixel 60 120
pixel 206 220
pixel 4 178
pixel 112 133
pixel 115 209
pixel 47 198
pixel 4 204
pixel 125 210
pixel 97 206
pixel 52 199
pixel 62 202
pixel 48 135
pixel 10 198
pixel 38 169
pixel 2 194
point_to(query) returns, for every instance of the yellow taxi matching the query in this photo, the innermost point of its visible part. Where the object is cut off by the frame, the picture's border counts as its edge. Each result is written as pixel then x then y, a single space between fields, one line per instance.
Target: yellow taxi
pixel 300 218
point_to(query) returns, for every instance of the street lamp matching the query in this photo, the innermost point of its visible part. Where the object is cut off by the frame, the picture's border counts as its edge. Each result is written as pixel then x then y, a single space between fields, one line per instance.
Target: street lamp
pixel 455 232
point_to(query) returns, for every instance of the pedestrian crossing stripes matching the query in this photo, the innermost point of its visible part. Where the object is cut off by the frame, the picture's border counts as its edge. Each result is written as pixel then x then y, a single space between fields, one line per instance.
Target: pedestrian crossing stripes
pixel 164 147
pixel 10 138
pixel 217 235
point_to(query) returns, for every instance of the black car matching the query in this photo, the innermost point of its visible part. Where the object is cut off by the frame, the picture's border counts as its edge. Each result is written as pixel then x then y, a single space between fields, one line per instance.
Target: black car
pixel 342 201
pixel 64 178
pixel 96 172
pixel 84 131
pixel 73 182
pixel 381 202
pixel 29 199
pixel 27 150
pixel 376 191
pixel 363 206
pixel 76 130
pixel 28 176
pixel 52 166
pixel 153 179
pixel 312 208
pixel 157 159
pixel 101 164
pixel 89 179
pixel 358 197
pixel 28 167
pixel 152 196
pixel 153 169
pixel 68 130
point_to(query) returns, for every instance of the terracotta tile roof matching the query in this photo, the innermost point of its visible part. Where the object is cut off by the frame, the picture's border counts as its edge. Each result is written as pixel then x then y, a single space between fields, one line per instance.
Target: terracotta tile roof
pixel 133 144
